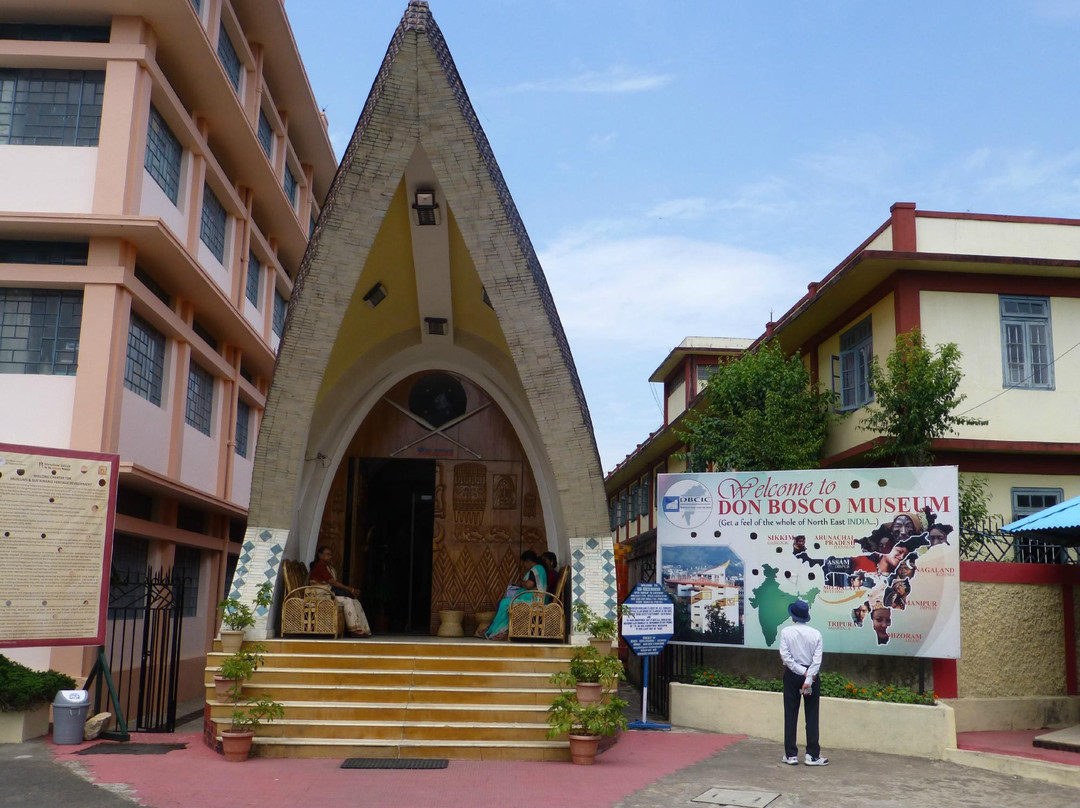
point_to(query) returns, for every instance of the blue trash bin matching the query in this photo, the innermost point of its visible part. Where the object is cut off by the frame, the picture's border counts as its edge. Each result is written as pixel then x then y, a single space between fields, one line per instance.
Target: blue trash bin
pixel 69 716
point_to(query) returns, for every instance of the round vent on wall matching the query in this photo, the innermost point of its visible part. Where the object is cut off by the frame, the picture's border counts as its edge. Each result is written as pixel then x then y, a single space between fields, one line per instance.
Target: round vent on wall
pixel 437 398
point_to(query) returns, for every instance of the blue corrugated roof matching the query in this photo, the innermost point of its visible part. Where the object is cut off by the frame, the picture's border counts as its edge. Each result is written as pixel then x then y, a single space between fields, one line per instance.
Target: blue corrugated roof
pixel 1065 516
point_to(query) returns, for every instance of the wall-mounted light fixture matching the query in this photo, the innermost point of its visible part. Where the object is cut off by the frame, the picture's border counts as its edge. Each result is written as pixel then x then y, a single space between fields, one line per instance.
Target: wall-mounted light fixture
pixel 375 295
pixel 427 209
pixel 436 326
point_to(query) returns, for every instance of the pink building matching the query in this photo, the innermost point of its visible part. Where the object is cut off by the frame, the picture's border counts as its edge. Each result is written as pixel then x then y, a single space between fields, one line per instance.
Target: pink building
pixel 164 162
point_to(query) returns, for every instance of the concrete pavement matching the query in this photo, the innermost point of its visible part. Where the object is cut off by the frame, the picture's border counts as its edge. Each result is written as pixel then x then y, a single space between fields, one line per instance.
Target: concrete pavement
pixel 644 770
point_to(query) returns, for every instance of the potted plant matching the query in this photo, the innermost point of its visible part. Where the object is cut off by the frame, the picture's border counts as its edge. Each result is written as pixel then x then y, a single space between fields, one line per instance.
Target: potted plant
pixel 590 673
pixel 236 668
pixel 585 724
pixel 602 630
pixel 236 740
pixel 237 617
pixel 25 696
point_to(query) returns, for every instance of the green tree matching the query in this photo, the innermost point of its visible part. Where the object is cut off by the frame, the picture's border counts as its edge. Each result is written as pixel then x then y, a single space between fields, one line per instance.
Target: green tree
pixel 915 397
pixel 720 629
pixel 760 413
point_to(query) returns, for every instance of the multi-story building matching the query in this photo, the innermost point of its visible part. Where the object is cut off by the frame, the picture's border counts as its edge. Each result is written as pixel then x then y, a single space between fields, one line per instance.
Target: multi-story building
pixel 164 162
pixel 1006 291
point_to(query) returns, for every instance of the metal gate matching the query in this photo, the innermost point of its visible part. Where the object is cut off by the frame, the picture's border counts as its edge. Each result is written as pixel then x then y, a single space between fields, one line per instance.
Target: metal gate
pixel 145 625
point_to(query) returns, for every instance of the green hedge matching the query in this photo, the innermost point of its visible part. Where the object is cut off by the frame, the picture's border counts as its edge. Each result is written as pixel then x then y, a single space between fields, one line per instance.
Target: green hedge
pixel 22 688
pixel 832 684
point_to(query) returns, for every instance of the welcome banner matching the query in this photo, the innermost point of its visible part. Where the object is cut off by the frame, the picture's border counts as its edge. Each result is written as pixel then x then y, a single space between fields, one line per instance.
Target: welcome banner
pixel 875 552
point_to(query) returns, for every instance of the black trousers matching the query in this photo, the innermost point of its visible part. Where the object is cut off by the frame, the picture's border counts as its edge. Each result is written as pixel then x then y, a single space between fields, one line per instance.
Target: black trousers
pixel 793 683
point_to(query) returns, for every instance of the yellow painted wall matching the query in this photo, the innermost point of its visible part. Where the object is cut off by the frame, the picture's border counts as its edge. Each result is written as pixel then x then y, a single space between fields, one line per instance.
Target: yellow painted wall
pixel 1012 641
pixel 391 263
pixel 1000 487
pixel 846 434
pixel 471 313
pixel 973 322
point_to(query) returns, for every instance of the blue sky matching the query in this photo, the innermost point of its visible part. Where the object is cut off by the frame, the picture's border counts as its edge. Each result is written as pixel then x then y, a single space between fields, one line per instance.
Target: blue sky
pixel 685 169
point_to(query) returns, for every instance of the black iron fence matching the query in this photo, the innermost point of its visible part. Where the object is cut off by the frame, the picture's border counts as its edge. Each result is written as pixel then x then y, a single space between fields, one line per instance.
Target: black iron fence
pixel 145 629
pixel 987 542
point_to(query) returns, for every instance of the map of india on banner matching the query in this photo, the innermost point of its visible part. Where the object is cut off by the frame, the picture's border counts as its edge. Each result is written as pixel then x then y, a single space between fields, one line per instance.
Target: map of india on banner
pixel 875 552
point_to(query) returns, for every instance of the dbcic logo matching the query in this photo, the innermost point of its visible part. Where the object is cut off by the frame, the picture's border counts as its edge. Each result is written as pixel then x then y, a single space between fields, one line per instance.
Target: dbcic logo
pixel 687 504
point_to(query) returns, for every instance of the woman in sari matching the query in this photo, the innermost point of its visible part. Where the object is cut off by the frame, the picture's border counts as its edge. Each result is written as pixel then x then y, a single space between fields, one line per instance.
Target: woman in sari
pixel 534 579
pixel 356 622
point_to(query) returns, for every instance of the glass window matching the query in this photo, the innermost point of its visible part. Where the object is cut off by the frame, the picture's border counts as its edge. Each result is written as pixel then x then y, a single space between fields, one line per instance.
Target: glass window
pixel 63 253
pixel 54 33
pixel 290 186
pixel 633 504
pixel 197 5
pixel 39 331
pixel 851 370
pixel 280 307
pixel 200 399
pixel 229 60
pixel 254 270
pixel 612 515
pixel 703 373
pixel 145 368
pixel 266 134
pixel 127 580
pixel 1026 345
pixel 163 154
pixel 212 231
pixel 51 107
pixel 624 511
pixel 644 500
pixel 243 419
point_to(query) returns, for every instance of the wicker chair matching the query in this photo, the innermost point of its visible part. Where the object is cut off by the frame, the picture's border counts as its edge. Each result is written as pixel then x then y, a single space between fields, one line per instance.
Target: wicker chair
pixel 539 615
pixel 308 609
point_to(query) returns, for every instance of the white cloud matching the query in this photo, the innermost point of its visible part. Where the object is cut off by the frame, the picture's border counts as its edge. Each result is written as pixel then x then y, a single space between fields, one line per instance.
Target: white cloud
pixel 616 79
pixel 689 208
pixel 602 141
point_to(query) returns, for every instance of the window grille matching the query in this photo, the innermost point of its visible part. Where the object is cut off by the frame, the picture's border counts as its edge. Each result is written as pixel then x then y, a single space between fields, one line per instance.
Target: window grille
pixel 145 369
pixel 163 155
pixel 39 331
pixel 50 107
pixel 254 269
pixel 243 419
pixel 229 59
pixel 212 232
pixel 200 399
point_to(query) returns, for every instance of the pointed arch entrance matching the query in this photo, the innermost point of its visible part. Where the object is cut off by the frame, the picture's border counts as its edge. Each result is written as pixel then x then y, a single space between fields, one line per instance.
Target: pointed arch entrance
pixel 431 503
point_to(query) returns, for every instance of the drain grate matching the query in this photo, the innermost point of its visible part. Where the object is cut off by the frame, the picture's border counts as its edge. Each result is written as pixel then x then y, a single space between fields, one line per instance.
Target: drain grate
pixel 394 763
pixel 736 798
pixel 131 748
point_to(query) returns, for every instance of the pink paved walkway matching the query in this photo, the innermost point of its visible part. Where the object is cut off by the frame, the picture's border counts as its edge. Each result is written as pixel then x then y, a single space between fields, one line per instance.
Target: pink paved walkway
pixel 198 776
pixel 1016 743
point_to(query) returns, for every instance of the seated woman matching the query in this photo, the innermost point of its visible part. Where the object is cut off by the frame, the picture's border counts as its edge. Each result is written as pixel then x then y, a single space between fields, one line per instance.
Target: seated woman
pixel 535 578
pixel 356 622
pixel 551 567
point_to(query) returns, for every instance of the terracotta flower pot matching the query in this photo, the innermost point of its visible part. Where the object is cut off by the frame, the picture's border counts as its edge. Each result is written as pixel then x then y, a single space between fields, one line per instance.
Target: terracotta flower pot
pixel 583 749
pixel 231 640
pixel 589 692
pixel 236 745
pixel 222 686
pixel 603 646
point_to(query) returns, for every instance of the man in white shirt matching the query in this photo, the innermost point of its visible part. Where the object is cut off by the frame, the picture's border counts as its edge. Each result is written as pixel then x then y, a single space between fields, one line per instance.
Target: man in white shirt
pixel 800 651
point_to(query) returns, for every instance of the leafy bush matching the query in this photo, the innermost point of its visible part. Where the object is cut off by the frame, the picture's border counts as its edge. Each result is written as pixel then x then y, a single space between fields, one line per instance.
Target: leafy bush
pixel 832 684
pixel 24 689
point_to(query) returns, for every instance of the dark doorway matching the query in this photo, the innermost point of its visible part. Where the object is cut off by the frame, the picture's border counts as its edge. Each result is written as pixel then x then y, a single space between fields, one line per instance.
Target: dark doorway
pixel 395 526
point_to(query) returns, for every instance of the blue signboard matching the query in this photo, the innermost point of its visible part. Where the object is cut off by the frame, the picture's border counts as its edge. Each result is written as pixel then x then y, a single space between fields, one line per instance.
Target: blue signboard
pixel 651 619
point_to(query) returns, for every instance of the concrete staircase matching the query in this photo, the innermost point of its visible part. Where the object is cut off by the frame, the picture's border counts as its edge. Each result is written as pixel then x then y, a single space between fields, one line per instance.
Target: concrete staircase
pixel 422 698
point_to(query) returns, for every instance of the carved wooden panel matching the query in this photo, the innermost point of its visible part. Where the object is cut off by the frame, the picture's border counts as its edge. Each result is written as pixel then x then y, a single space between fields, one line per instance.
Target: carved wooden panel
pixel 504 492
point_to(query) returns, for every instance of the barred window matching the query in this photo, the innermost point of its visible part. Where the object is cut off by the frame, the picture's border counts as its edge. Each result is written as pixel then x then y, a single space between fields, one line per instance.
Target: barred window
pixel 51 107
pixel 143 277
pixel 290 186
pixel 127 581
pixel 266 134
pixel 200 399
pixel 203 333
pixel 229 60
pixel 280 305
pixel 163 154
pixel 243 419
pixel 851 370
pixel 145 368
pixel 39 331
pixel 185 571
pixel 212 232
pixel 253 271
pixel 64 253
pixel 36 32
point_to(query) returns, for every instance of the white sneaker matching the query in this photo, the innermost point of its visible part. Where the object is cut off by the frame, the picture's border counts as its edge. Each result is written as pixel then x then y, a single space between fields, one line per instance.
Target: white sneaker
pixel 816 761
pixel 791 761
